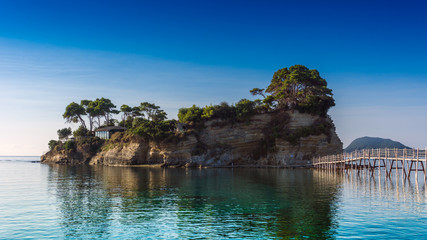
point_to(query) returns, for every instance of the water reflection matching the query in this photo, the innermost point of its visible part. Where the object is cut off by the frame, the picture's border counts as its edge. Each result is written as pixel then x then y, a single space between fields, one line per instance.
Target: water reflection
pixel 372 205
pixel 130 203
pixel 377 184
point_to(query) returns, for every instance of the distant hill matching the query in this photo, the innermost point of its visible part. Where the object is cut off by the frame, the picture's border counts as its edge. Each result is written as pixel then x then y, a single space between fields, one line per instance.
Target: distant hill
pixel 373 142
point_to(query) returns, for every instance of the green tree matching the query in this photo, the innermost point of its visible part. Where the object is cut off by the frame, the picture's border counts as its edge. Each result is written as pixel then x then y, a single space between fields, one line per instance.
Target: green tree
pixel 126 110
pixel 244 109
pixel 64 133
pixel 224 111
pixel 301 88
pixel 154 130
pixel 81 132
pixel 257 91
pixel 136 112
pixel 208 112
pixel 159 116
pixel 95 111
pixel 269 102
pixel 103 108
pixel 129 114
pixel 69 145
pixel 190 115
pixel 88 105
pixel 153 112
pixel 73 114
pixel 52 144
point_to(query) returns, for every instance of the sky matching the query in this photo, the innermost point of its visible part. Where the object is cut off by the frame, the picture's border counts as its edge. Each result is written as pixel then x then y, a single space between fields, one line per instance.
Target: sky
pixel 373 55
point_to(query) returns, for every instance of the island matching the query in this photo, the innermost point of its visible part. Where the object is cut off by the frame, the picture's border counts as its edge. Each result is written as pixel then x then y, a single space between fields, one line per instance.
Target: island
pixel 286 127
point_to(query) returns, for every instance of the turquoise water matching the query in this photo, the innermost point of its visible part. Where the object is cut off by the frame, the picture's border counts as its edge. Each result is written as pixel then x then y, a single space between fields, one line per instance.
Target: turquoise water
pixel 40 201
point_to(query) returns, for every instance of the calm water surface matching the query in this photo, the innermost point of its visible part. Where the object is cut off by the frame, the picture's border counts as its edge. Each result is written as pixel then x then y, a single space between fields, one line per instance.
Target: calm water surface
pixel 40 201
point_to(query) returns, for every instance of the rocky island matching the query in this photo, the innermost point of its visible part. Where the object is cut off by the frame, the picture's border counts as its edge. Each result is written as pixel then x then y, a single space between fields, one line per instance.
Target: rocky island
pixel 287 127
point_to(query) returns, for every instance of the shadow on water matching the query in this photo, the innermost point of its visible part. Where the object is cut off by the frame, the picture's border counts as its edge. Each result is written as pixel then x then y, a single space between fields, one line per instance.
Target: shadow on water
pixel 116 202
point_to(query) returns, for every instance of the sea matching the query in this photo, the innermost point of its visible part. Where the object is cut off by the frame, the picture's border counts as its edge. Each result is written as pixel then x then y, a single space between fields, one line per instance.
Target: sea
pixel 40 201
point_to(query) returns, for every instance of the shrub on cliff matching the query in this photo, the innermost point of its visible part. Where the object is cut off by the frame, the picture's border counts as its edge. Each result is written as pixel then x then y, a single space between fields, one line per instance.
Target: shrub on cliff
pixel 208 112
pixel 52 144
pixel 89 144
pixel 154 130
pixel 224 111
pixel 81 132
pixel 64 133
pixel 190 115
pixel 239 112
pixel 244 109
pixel 69 145
pixel 127 123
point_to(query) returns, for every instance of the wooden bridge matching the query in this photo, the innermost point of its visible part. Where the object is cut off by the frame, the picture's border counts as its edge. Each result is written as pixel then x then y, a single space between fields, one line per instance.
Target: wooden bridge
pixel 386 160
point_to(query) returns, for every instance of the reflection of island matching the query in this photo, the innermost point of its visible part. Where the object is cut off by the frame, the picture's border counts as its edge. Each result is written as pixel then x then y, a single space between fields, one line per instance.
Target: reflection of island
pixel 188 203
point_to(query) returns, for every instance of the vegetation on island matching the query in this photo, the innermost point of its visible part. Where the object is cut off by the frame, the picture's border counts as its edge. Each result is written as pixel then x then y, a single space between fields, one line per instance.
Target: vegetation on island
pixel 296 88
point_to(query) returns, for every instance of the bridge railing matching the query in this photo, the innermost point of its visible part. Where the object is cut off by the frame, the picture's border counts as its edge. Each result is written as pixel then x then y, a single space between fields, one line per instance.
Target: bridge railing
pixel 380 153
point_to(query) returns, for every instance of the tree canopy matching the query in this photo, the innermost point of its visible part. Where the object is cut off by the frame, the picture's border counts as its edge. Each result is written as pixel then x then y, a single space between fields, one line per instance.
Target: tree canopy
pixel 300 88
pixel 89 108
pixel 153 112
pixel 190 115
pixel 64 133
pixel 126 110
pixel 74 112
pixel 257 91
pixel 104 108
pixel 101 108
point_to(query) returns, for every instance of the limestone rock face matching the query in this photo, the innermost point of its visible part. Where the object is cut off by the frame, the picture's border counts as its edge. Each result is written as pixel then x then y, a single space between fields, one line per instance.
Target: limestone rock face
pixel 222 144
pixel 219 144
pixel 81 155
pixel 133 153
pixel 61 157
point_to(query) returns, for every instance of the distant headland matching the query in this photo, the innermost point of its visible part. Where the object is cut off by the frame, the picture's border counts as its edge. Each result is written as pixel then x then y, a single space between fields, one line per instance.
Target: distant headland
pixel 373 143
pixel 286 127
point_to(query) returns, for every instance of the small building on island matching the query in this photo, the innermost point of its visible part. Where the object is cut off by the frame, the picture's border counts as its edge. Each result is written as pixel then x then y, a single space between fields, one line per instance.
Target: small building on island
pixel 107 132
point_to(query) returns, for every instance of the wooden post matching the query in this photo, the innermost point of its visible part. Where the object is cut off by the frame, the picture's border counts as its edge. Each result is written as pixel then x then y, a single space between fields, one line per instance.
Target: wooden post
pixel 385 161
pixel 416 165
pixel 410 166
pixel 343 162
pixel 364 158
pixel 374 163
pixel 360 161
pixel 404 163
pixel 353 166
pixel 369 158
pixel 425 163
pixel 397 163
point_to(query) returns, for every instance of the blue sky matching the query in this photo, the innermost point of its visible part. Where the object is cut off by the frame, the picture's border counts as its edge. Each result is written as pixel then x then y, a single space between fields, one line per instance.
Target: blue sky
pixel 175 53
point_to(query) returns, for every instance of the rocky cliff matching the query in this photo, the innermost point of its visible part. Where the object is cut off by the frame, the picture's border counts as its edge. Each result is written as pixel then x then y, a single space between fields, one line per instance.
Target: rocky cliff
pixel 285 139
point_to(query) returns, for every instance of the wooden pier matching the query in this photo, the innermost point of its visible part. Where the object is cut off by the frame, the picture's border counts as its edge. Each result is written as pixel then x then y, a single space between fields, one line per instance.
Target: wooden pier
pixel 398 161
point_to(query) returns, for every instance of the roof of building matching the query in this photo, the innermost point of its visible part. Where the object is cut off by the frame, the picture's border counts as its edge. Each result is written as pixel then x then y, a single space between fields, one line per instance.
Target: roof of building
pixel 110 128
